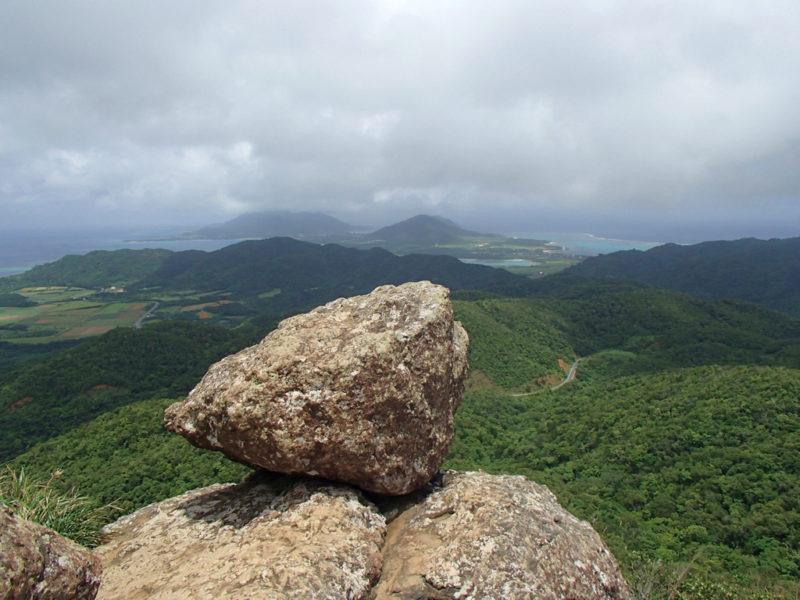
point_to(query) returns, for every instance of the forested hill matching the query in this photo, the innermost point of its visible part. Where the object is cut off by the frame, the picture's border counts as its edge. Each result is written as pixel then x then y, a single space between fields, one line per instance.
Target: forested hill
pixel 261 265
pixel 99 268
pixel 762 271
pixel 58 393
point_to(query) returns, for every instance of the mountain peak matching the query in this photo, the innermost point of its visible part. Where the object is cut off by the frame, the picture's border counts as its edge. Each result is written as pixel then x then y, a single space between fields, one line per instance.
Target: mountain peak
pixel 423 229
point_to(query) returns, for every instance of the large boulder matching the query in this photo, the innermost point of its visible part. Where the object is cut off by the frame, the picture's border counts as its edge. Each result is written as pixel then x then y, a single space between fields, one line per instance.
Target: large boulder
pixel 466 535
pixel 361 390
pixel 36 563
pixel 488 536
pixel 269 537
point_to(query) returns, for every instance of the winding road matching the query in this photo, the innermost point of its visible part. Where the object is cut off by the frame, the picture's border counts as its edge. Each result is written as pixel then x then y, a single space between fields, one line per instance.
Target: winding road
pixel 573 370
pixel 148 313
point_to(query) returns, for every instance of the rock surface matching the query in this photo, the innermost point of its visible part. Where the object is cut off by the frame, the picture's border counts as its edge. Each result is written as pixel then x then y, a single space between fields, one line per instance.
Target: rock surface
pixel 361 390
pixel 487 536
pixel 467 536
pixel 268 537
pixel 38 564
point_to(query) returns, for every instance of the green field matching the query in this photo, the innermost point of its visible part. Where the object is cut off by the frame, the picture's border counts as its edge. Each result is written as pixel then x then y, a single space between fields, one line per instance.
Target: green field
pixel 63 313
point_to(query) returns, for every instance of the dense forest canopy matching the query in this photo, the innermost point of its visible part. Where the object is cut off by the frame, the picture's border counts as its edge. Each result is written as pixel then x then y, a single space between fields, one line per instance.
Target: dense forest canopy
pixel 762 271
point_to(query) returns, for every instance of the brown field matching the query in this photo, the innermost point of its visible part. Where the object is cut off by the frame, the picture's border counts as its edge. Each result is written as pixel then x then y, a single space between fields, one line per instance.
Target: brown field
pixel 86 331
pixel 194 307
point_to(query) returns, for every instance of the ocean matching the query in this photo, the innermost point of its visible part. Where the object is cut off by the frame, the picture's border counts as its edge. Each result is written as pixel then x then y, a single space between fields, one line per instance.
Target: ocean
pixel 585 244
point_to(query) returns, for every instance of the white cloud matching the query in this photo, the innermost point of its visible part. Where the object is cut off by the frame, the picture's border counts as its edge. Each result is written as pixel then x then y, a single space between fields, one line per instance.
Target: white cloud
pixel 187 110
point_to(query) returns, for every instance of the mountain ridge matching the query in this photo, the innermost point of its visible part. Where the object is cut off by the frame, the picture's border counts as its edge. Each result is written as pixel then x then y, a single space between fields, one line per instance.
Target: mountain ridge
pixel 762 271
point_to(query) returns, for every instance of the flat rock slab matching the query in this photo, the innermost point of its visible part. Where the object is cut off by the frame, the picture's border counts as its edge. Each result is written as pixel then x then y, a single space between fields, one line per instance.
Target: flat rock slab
pixel 267 538
pixel 488 536
pixel 36 563
pixel 361 390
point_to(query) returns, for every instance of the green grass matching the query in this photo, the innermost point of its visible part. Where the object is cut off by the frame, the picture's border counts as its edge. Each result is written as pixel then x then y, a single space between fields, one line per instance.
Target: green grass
pixel 67 319
pixel 113 308
pixel 67 513
pixel 13 314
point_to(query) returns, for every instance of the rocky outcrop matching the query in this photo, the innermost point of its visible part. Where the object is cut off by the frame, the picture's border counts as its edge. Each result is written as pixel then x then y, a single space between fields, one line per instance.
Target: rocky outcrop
pixel 269 537
pixel 469 536
pixel 361 390
pixel 488 536
pixel 38 564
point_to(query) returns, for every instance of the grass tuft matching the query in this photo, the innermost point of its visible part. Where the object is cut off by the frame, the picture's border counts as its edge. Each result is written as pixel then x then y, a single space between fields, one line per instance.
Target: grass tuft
pixel 68 514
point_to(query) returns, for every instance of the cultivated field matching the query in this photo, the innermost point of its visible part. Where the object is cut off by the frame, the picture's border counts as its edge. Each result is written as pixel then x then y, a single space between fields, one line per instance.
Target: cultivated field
pixel 63 313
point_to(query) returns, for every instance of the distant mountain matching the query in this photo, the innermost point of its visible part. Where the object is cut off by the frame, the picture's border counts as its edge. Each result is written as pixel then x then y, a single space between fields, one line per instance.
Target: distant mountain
pixel 423 230
pixel 765 272
pixel 277 223
pixel 422 234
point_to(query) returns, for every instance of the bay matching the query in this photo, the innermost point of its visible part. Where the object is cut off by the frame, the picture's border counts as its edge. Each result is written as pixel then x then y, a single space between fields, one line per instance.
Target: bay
pixel 585 244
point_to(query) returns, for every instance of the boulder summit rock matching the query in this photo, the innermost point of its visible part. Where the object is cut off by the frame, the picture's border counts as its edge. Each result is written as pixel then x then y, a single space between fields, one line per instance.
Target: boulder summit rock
pixel 360 390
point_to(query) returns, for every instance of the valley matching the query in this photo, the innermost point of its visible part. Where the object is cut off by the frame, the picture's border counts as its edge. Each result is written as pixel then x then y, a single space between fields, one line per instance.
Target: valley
pixel 677 439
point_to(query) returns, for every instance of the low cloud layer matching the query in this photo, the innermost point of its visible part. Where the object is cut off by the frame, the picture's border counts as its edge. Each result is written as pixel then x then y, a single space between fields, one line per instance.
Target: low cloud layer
pixel 521 115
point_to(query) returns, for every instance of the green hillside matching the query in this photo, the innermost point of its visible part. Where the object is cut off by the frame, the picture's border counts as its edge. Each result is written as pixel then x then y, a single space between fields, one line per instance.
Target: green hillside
pixel 669 329
pixel 58 393
pixel 126 457
pixel 762 271
pixel 100 268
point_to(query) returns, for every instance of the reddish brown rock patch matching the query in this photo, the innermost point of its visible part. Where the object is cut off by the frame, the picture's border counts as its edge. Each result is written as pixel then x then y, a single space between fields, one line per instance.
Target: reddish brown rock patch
pixel 20 402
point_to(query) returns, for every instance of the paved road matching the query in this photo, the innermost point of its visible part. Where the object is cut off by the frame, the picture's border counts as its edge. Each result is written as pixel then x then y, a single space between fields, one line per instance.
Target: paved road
pixel 149 313
pixel 570 376
pixel 573 370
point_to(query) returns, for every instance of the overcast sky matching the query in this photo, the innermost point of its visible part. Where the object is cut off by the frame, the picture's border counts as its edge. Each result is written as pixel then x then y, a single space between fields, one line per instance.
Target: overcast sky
pixel 662 119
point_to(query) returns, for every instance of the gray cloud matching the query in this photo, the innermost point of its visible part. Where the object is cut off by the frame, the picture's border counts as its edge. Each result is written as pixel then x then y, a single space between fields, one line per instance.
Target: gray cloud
pixel 190 112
